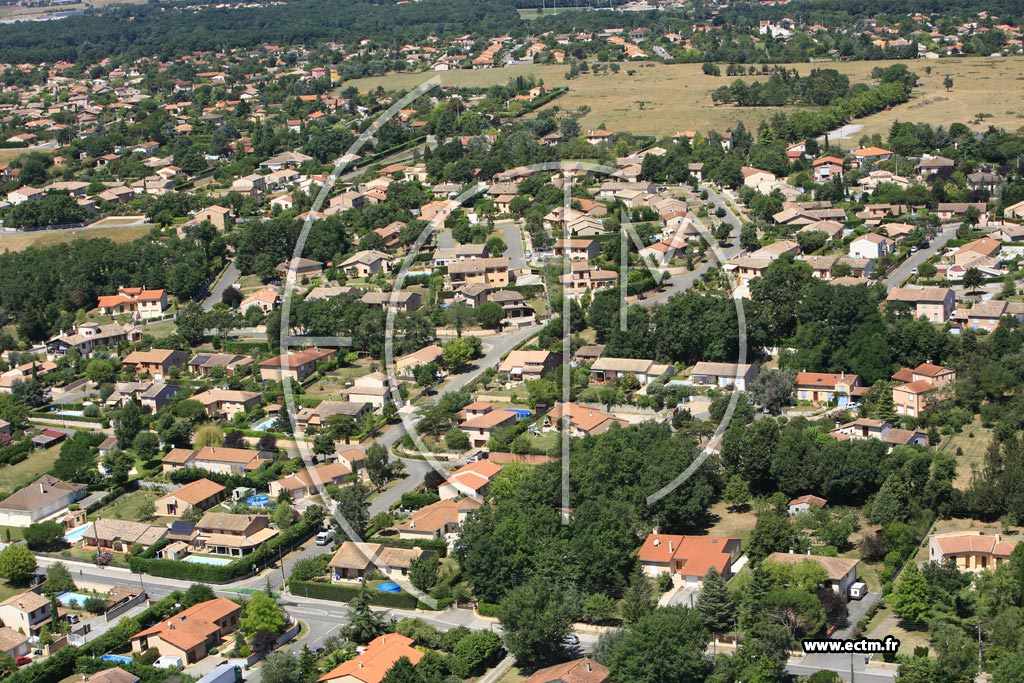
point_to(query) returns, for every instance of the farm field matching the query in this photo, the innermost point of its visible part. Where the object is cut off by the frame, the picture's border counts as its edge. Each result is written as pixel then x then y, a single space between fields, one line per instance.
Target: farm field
pixel 678 96
pixel 19 241
pixel 10 11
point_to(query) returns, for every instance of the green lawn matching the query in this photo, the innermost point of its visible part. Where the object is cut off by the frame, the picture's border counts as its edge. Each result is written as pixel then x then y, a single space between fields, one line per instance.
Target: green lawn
pixel 130 507
pixel 38 463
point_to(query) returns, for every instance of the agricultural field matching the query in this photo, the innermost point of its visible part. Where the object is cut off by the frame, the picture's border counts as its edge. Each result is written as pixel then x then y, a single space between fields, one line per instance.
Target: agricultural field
pixel 19 241
pixel 661 99
pixel 11 11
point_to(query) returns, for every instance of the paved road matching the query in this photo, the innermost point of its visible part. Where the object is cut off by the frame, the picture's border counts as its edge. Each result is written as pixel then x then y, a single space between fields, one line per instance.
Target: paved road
pixel 841 665
pixel 677 283
pixel 228 278
pixel 514 239
pixel 904 271
pixel 445 239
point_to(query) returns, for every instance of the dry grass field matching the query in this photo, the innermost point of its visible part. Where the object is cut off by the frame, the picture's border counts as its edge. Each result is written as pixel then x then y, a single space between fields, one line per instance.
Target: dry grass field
pixel 10 11
pixel 678 97
pixel 19 241
pixel 973 441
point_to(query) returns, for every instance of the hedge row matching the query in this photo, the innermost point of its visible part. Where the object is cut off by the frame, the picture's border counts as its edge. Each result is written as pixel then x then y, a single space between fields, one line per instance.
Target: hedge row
pixel 241 567
pixel 487 609
pixel 337 592
pixel 438 545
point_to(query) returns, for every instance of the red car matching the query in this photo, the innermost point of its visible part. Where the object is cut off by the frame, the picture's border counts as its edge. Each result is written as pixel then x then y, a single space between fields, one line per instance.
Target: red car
pixel 23 660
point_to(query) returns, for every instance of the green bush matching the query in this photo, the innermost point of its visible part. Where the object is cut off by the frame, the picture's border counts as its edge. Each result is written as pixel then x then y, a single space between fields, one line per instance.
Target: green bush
pixel 345 593
pixel 487 609
pixel 438 545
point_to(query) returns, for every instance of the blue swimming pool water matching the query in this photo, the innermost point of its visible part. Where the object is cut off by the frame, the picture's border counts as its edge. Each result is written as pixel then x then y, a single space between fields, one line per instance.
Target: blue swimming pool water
pixel 264 424
pixel 389 587
pixel 218 561
pixel 260 500
pixel 75 535
pixel 71 598
pixel 117 658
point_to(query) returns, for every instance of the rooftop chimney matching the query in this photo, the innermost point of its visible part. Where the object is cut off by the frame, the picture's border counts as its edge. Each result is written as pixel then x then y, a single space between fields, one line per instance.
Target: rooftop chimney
pixel 42 487
pixel 657 542
pixel 671 547
pixel 588 665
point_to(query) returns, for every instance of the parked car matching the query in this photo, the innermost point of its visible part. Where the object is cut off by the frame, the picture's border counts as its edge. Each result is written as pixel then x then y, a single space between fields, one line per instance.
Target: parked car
pixel 23 660
pixel 571 639
pixel 324 538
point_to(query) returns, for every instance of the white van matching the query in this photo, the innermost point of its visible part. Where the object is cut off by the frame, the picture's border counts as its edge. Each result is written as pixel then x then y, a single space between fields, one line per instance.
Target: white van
pixel 323 538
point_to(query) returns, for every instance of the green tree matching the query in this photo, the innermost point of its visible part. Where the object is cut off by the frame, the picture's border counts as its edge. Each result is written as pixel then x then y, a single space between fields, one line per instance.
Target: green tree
pixel 947 82
pixel 474 653
pixel 99 370
pixel 773 532
pixel 598 608
pixel 973 279
pixel 423 572
pixel 58 580
pixel 8 665
pixel 281 667
pixel 489 315
pixel 459 316
pixel 910 598
pixel 402 671
pixel 456 440
pixel 17 564
pixel 737 493
pixel 426 374
pixel 715 605
pixel 283 515
pixel 364 624
pixel 378 465
pixel 534 619
pixel 43 535
pixel 670 634
pixel 892 502
pixel 128 423
pixel 352 505
pixel 456 353
pixel 773 388
pixel 638 600
pixel 192 323
pixel 146 444
pixel 262 613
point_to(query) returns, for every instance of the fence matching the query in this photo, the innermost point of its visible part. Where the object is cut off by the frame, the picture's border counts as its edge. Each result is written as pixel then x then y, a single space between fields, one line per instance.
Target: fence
pixel 115 612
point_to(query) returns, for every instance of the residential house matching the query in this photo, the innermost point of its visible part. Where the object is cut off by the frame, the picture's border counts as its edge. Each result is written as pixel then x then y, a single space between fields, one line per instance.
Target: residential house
pixel 436 520
pixel 191 633
pixel 583 278
pixel 315 419
pixel 215 459
pixel 285 160
pixel 302 267
pixel 599 136
pixel 374 662
pixel 805 503
pixel 971 551
pixel 756 179
pixel 523 366
pixel 218 216
pixel 607 369
pixel 309 480
pixel 266 300
pixel 824 387
pixel 297 365
pixel 934 304
pixel 480 428
pixel 738 375
pixel 493 272
pixel 840 572
pixel 13 642
pixel 581 421
pixel 88 337
pixel 114 675
pixel 221 533
pixel 690 557
pixel 985 315
pixel 866 428
pixel 1014 211
pixel 919 387
pixel 121 536
pixel 929 165
pixel 577 249
pixel 366 263
pixel 138 302
pixel 399 301
pixel 43 498
pixel 201 494
pixel 27 613
pixel 827 168
pixel 374 388
pixel 584 670
pixel 204 363
pixel 406 365
pixel 156 362
pixel 353 560
pixel 869 155
pixel 226 403
pixel 871 246
pixel 984 181
pixel 951 210
pixel 149 394
pixel 473 480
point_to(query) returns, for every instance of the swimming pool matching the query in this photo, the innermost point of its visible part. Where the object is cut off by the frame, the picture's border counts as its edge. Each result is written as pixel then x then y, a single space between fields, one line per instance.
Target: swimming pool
pixel 264 424
pixel 217 561
pixel 260 500
pixel 117 658
pixel 72 599
pixel 75 535
pixel 389 587
pixel 68 413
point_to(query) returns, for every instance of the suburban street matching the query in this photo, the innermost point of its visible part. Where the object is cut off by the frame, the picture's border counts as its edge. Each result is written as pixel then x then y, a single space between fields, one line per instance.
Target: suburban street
pixel 227 278
pixel 905 269
pixel 513 236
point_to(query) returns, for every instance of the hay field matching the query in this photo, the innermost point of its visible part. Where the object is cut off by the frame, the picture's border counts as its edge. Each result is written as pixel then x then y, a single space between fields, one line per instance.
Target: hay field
pixel 19 241
pixel 678 96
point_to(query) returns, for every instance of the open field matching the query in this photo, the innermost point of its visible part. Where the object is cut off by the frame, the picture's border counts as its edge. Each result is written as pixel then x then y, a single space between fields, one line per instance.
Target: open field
pixel 678 96
pixel 38 463
pixel 973 441
pixel 10 11
pixel 131 506
pixel 732 524
pixel 19 241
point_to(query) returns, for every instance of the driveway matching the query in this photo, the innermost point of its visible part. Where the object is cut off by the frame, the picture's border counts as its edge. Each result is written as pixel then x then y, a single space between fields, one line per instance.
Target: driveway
pixel 856 610
pixel 905 269
pixel 228 277
pixel 513 236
